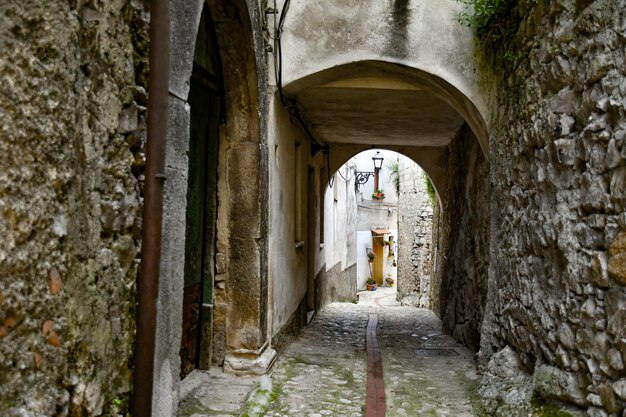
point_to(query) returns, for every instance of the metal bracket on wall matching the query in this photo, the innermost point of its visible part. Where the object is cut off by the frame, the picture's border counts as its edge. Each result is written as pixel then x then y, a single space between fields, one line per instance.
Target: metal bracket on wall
pixel 361 178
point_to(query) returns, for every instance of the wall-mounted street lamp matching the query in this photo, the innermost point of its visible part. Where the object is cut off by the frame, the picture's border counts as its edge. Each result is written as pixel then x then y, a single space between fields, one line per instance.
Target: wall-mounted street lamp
pixel 363 176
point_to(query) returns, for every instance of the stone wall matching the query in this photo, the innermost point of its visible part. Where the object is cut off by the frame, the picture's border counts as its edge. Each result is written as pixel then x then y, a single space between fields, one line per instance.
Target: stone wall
pixel 72 99
pixel 415 219
pixel 557 301
pixel 461 238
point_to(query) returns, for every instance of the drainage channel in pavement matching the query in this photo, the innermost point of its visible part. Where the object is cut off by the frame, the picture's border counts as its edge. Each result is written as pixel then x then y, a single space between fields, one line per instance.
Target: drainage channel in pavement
pixel 375 397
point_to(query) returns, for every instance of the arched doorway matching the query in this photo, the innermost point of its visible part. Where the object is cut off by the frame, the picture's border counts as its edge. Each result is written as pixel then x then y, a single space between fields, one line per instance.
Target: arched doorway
pixel 214 228
pixel 205 101
pixel 378 104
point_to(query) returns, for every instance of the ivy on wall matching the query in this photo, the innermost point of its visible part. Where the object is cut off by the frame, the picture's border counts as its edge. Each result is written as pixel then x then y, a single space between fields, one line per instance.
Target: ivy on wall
pixel 495 23
pixel 492 20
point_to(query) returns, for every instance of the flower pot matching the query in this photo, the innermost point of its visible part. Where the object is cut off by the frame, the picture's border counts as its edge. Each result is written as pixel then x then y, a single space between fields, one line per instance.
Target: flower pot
pixel 370 287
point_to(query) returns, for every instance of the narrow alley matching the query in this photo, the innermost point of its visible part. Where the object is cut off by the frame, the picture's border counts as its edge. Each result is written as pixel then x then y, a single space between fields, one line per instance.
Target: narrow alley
pixel 324 372
pixel 195 195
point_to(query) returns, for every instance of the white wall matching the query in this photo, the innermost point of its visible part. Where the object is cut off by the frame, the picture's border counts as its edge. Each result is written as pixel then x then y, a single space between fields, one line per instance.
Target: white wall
pixel 364 163
pixel 340 209
pixel 375 214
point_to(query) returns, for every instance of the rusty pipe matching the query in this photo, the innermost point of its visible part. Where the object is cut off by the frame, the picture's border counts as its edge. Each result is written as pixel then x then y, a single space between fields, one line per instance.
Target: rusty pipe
pixel 148 281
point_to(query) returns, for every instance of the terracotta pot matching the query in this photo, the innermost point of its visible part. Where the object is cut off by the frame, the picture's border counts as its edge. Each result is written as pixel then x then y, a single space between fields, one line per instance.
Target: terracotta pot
pixel 370 287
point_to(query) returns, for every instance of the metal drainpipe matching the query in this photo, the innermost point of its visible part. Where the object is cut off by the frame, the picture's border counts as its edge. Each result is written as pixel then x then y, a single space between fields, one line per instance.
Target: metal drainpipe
pixel 148 282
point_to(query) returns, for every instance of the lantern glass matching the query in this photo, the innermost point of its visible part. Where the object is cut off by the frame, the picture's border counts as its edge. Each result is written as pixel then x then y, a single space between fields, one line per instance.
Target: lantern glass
pixel 378 160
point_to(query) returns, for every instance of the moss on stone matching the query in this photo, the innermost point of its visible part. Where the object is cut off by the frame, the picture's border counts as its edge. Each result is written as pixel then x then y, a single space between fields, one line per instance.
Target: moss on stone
pixel 543 409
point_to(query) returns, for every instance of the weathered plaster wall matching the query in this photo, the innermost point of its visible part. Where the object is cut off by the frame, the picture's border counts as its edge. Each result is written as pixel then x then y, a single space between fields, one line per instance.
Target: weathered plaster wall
pixel 287 250
pixel 415 219
pixel 72 97
pixel 323 34
pixel 557 296
pixel 461 239
pixel 337 279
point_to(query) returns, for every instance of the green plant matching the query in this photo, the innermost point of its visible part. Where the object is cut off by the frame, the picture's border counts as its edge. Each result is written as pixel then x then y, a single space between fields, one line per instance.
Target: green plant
pixel 394 175
pixel 378 194
pixel 490 19
pixel 370 281
pixel 430 190
pixel 545 409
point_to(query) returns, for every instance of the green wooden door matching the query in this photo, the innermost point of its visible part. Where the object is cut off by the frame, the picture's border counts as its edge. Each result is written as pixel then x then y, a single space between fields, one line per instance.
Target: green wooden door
pixel 205 98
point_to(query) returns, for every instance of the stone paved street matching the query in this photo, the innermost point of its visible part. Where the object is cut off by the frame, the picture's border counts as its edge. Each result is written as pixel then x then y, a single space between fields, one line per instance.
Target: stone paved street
pixel 323 373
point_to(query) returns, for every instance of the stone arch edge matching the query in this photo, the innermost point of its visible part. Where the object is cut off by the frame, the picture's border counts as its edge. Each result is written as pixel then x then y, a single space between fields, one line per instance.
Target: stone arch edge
pixel 185 18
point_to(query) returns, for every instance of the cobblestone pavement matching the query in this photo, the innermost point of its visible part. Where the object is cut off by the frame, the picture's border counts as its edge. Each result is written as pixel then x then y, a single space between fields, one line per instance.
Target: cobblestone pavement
pixel 426 372
pixel 323 373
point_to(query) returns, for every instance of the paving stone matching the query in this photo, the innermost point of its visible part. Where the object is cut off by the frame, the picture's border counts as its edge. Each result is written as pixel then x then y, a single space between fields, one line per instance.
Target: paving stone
pixel 324 371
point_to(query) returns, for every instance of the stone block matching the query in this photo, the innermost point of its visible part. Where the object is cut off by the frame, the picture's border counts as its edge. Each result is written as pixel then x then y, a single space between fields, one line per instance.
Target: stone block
pixel 617 324
pixel 554 383
pixel 246 364
pixel 619 387
pixel 565 101
pixel 618 184
pixel 617 258
pixel 599 266
pixel 566 336
pixel 245 182
pixel 566 151
pixel 608 398
pixel 248 293
pixel 128 119
pixel 615 359
pixel 184 18
pixel 613 157
pixel 170 298
pixel 177 145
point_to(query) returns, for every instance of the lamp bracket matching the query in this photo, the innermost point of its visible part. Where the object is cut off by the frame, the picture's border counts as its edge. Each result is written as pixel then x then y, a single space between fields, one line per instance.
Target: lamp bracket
pixel 361 178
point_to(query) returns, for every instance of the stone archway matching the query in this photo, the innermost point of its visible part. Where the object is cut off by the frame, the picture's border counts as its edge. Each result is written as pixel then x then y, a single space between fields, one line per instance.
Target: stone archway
pixel 240 226
pixel 376 104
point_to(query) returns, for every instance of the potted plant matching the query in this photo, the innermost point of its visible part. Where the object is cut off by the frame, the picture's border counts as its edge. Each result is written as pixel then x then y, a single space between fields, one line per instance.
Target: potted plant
pixel 378 194
pixel 370 255
pixel 371 285
pixel 390 281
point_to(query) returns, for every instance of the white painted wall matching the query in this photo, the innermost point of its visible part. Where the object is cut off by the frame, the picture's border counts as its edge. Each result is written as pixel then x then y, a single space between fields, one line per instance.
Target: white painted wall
pixel 364 162
pixel 375 214
pixel 340 219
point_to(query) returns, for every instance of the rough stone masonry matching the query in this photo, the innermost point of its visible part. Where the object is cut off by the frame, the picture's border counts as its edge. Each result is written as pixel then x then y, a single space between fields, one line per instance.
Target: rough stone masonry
pixel 72 119
pixel 555 321
pixel 415 219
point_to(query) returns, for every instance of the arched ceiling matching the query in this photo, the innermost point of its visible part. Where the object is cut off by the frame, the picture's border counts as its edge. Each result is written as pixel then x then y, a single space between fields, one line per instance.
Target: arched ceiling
pixel 380 104
pixel 378 111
